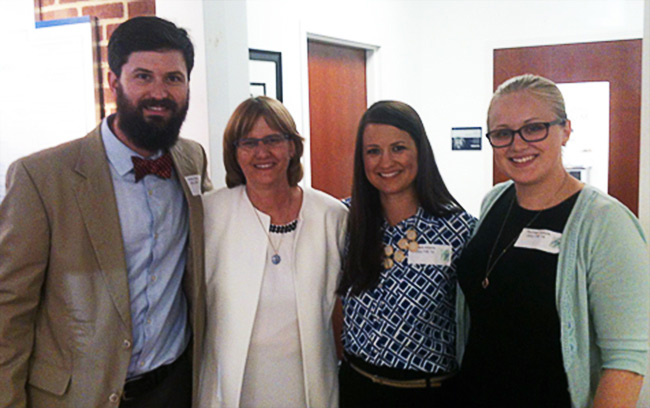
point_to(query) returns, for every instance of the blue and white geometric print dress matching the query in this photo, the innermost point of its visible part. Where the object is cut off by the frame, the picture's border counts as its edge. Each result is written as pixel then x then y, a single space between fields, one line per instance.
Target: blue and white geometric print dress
pixel 408 320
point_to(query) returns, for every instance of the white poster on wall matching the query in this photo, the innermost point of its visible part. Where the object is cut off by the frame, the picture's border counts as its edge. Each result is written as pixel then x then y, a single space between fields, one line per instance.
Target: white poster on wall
pixel 48 95
pixel 587 153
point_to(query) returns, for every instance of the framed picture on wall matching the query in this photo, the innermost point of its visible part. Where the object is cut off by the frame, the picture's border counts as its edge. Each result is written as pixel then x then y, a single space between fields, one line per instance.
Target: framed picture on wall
pixel 265 69
pixel 466 138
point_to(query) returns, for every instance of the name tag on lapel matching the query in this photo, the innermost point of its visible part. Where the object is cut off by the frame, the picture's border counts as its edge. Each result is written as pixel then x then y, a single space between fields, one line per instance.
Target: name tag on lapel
pixel 194 183
pixel 541 240
pixel 431 254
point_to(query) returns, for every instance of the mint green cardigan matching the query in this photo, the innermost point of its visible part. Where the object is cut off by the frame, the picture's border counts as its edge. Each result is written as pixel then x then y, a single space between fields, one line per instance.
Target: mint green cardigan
pixel 602 291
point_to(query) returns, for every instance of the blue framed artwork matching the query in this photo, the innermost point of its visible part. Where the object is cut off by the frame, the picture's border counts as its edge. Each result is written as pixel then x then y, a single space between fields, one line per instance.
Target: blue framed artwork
pixel 466 138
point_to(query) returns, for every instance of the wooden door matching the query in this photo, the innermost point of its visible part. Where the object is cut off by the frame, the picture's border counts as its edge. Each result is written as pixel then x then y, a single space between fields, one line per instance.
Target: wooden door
pixel 337 100
pixel 619 63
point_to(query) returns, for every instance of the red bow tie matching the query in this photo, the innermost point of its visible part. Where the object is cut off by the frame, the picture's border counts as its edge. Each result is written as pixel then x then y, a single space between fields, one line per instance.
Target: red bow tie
pixel 161 167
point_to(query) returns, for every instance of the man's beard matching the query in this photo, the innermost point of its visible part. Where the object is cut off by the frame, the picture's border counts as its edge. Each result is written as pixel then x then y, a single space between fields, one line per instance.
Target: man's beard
pixel 154 133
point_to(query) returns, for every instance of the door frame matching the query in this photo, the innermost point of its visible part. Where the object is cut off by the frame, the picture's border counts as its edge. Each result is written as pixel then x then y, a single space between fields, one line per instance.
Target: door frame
pixel 373 75
pixel 644 161
pixel 516 42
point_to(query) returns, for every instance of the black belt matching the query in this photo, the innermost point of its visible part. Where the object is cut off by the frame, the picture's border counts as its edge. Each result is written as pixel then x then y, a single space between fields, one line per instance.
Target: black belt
pixel 138 386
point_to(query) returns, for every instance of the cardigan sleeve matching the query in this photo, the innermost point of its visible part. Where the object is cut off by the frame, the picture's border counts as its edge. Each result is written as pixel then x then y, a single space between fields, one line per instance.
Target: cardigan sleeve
pixel 618 286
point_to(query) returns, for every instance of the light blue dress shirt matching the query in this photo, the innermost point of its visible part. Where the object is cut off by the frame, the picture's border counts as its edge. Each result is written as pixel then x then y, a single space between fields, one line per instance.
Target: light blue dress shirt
pixel 154 221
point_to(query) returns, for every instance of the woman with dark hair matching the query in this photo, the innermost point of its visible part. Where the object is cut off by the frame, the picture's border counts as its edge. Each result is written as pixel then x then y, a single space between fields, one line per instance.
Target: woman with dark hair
pixel 399 281
pixel 273 260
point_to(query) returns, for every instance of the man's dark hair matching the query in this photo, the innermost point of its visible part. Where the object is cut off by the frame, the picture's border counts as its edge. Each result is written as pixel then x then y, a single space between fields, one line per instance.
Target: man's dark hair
pixel 148 34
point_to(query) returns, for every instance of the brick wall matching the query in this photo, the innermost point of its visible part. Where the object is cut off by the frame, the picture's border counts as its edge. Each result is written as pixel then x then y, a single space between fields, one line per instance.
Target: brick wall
pixel 109 14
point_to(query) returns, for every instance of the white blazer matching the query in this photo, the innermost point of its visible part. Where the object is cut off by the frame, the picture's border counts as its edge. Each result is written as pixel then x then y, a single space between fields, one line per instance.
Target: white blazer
pixel 236 248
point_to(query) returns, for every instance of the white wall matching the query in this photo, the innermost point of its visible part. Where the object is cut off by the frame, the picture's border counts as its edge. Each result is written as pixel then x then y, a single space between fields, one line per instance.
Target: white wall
pixel 435 55
pixel 16 15
pixel 190 18
pixel 219 81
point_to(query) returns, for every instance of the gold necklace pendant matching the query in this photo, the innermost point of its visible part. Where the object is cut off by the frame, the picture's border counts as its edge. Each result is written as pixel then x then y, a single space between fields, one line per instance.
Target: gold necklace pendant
pixel 485 283
pixel 411 235
pixel 388 263
pixel 398 255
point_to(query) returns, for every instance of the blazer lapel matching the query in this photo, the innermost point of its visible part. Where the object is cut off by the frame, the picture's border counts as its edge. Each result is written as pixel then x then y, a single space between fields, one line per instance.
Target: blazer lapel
pixel 183 166
pixel 247 250
pixel 186 166
pixel 98 208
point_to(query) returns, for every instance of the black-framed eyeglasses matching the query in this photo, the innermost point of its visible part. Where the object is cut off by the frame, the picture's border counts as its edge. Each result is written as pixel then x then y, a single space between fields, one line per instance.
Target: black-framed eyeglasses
pixel 250 143
pixel 531 132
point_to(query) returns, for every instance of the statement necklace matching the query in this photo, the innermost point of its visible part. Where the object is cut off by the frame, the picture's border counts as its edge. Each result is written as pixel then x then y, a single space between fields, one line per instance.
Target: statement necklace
pixel 283 229
pixel 397 255
pixel 409 242
pixel 491 265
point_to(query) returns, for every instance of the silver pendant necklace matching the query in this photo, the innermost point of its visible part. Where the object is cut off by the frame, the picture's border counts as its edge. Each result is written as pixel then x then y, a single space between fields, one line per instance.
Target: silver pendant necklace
pixel 276 258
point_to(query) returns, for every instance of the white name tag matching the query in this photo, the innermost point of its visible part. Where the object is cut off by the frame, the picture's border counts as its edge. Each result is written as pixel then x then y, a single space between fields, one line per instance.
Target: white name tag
pixel 430 254
pixel 194 183
pixel 542 240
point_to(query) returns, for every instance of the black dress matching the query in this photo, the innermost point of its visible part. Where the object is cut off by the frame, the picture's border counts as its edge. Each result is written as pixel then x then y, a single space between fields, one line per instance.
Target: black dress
pixel 513 355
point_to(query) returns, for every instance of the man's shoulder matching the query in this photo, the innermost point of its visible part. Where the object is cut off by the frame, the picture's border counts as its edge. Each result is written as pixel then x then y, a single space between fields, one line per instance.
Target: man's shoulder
pixel 189 155
pixel 188 142
pixel 189 146
pixel 62 154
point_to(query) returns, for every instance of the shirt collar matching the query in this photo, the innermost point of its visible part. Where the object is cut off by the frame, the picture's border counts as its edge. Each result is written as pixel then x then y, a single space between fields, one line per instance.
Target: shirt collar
pixel 405 223
pixel 119 155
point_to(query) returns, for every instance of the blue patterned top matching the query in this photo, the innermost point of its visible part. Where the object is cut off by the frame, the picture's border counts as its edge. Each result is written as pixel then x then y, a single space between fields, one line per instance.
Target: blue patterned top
pixel 408 320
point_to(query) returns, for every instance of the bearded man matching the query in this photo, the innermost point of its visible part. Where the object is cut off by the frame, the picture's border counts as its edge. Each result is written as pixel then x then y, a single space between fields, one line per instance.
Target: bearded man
pixel 101 246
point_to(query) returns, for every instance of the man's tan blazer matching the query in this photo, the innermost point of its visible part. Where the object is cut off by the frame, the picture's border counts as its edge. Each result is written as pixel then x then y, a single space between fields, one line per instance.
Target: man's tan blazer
pixel 65 324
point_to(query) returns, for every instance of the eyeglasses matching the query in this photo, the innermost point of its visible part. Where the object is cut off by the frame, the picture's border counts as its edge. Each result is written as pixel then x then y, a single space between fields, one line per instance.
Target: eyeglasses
pixel 270 141
pixel 532 132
